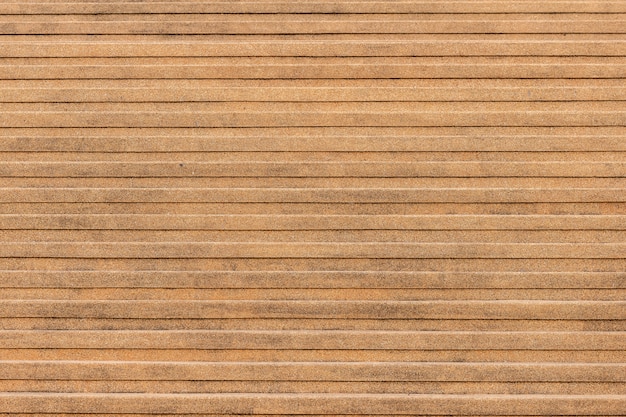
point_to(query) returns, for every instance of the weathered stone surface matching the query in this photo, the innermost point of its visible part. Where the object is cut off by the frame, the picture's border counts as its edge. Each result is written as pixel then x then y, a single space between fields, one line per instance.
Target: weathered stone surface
pixel 312 208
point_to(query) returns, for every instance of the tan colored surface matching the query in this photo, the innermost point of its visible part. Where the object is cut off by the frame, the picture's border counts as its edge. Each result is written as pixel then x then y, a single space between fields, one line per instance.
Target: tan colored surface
pixel 321 208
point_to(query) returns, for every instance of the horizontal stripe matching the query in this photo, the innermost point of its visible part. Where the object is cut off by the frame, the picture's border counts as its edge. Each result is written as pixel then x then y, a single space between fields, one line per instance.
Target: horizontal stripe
pixel 314 49
pixel 315 143
pixel 313 222
pixel 321 108
pixel 323 324
pixel 276 119
pixel 324 264
pixel 330 250
pixel 332 7
pixel 160 371
pixel 175 355
pixel 308 169
pixel 314 182
pixel 308 279
pixel 328 94
pixel 113 69
pixel 321 295
pixel 305 195
pixel 351 387
pixel 314 403
pixel 531 310
pixel 289 26
pixel 313 340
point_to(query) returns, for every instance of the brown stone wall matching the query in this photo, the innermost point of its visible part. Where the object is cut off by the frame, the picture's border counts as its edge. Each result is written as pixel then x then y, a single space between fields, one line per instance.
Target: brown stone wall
pixel 313 208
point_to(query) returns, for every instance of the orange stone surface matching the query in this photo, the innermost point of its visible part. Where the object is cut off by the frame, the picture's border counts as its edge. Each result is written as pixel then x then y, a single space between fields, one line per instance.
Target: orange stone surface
pixel 316 208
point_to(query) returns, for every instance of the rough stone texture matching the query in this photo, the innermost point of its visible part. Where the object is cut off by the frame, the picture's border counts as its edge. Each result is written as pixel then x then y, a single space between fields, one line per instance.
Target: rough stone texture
pixel 316 208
